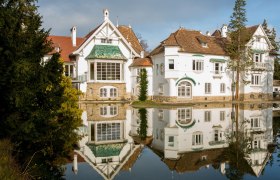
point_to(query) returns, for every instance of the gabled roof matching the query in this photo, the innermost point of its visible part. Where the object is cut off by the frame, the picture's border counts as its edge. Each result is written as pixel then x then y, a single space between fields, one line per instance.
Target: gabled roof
pixel 194 160
pixel 190 41
pixel 252 29
pixel 64 43
pixel 142 62
pixel 130 36
pixel 217 33
pixel 91 35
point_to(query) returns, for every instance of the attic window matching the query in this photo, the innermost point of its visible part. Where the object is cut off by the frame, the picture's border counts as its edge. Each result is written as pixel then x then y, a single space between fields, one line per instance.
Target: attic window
pixel 202 41
pixel 204 44
pixel 258 39
pixel 57 49
pixel 106 41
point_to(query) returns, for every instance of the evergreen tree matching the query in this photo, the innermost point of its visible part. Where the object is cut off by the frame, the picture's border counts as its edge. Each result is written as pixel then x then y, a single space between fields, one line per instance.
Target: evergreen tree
pixel 143 123
pixel 38 106
pixel 236 48
pixel 271 34
pixel 143 85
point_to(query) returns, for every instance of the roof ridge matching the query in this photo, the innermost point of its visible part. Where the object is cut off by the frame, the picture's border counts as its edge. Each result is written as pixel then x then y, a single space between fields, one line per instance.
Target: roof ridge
pixel 63 36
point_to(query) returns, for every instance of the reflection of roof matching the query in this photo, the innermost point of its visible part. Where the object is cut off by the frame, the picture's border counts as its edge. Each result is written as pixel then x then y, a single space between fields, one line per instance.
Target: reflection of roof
pixel 192 161
pixel 142 62
pixel 217 33
pixel 64 43
pixel 190 41
pixel 130 36
pixel 106 52
pixel 133 158
pixel 106 150
pixel 276 82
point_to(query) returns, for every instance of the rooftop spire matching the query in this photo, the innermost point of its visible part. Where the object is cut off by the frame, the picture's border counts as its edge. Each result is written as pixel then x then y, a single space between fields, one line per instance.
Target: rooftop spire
pixel 106 14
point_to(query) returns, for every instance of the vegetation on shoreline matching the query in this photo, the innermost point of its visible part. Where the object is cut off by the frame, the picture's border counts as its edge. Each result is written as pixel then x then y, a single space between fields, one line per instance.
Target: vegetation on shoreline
pixel 9 169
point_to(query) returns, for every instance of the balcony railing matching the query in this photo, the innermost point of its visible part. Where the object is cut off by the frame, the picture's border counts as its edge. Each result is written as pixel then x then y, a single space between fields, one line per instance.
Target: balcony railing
pixel 259 65
pixel 217 74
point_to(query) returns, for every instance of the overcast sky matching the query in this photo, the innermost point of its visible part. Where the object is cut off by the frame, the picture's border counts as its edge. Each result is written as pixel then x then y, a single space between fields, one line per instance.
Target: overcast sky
pixel 153 19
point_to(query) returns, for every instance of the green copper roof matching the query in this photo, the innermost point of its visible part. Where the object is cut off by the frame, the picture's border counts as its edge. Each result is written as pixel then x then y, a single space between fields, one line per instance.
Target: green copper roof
pixel 106 150
pixel 259 51
pixel 217 60
pixel 198 55
pixel 106 52
pixel 185 126
pixel 186 78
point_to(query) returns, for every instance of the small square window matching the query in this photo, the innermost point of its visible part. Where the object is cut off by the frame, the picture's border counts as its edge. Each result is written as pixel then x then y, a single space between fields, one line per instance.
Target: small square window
pixel 171 63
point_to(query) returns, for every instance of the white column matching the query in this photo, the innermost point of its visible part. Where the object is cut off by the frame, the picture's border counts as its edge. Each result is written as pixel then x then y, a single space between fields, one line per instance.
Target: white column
pixel 172 87
pixel 75 164
pixel 95 71
pixel 223 168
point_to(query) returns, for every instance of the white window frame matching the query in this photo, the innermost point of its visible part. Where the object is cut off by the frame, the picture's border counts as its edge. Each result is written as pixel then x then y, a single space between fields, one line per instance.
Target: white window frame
pixel 184 89
pixel 69 70
pixel 161 69
pixel 222 88
pixel 197 138
pixel 106 41
pixel 197 65
pixel 160 114
pixel 171 64
pixel 255 122
pixel 108 111
pixel 218 68
pixel 184 114
pixel 207 116
pixel 208 88
pixel 108 92
pixel 108 131
pixel 258 57
pixel 222 115
pixel 256 79
pixel 171 141
pixel 108 71
pixel 160 89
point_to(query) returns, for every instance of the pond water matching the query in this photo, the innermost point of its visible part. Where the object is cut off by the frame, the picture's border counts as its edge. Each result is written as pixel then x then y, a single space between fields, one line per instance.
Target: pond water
pixel 213 141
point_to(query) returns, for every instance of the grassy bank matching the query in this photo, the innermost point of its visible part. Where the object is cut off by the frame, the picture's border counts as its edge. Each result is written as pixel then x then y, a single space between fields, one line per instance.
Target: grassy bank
pixel 8 168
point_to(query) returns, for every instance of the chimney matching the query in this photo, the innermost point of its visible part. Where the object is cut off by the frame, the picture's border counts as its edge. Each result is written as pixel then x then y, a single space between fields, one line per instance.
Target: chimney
pixel 224 31
pixel 106 14
pixel 142 54
pixel 208 33
pixel 73 35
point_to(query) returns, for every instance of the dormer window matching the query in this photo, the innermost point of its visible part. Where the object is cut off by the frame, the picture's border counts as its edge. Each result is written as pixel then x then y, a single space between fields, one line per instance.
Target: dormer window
pixel 203 41
pixel 57 49
pixel 204 45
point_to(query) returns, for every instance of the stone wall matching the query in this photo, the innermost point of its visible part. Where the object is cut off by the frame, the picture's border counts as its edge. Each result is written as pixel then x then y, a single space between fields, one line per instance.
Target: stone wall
pixel 194 99
pixel 244 97
pixel 93 92
pixel 256 96
pixel 93 112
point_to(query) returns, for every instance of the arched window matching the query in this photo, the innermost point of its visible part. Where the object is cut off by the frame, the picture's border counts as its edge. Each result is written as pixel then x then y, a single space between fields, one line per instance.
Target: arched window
pixel 108 92
pixel 185 89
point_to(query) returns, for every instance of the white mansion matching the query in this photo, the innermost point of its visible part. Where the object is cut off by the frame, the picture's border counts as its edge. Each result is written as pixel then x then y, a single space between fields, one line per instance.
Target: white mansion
pixel 186 66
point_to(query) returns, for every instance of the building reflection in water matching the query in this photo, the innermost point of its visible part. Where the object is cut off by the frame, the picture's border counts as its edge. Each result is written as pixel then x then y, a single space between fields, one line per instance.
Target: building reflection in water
pixel 186 138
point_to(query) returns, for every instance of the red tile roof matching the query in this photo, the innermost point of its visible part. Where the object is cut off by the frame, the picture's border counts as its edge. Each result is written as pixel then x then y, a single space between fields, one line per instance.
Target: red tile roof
pixel 130 36
pixel 190 41
pixel 64 43
pixel 142 62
